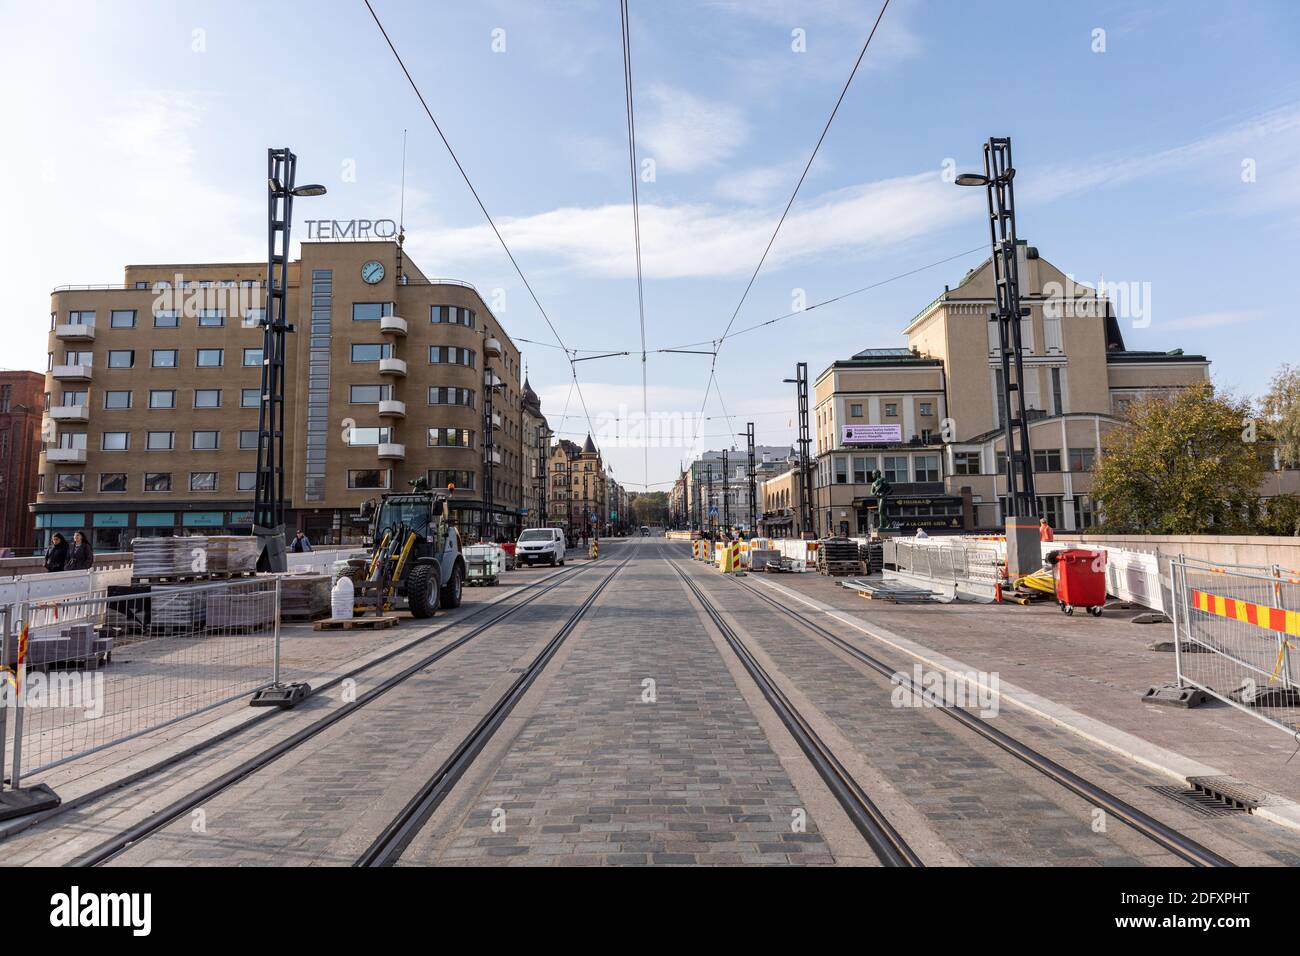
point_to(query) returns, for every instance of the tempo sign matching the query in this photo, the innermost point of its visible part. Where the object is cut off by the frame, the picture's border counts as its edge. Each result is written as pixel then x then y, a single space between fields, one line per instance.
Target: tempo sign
pixel 871 434
pixel 351 228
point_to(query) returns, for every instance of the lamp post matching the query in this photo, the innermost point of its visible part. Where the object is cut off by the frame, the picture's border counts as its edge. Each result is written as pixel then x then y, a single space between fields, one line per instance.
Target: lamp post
pixel 1023 552
pixel 807 512
pixel 268 499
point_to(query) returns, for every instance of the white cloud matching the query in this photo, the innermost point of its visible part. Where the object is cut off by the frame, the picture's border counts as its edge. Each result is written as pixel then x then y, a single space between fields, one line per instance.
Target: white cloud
pixel 684 132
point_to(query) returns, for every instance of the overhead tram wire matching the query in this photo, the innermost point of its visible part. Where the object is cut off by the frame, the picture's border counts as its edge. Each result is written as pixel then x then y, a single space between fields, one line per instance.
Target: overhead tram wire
pixel 482 208
pixel 636 214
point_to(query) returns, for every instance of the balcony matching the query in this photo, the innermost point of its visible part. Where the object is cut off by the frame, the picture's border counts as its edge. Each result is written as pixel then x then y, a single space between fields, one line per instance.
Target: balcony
pixel 72 373
pixel 393 325
pixel 492 348
pixel 496 419
pixel 493 455
pixel 391 451
pixel 67 332
pixel 67 456
pixel 70 413
pixel 392 366
pixel 491 379
pixel 391 408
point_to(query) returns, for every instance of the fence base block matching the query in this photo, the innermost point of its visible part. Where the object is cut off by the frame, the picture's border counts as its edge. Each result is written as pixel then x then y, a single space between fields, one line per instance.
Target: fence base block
pixel 281 695
pixel 1171 695
pixel 25 800
pixel 1255 696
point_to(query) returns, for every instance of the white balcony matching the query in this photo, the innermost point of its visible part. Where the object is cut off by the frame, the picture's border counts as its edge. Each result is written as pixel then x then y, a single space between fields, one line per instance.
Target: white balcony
pixel 71 456
pixel 392 324
pixel 72 373
pixel 391 408
pixel 68 332
pixel 70 413
pixel 491 379
pixel 496 419
pixel 494 455
pixel 391 451
pixel 392 366
pixel 492 348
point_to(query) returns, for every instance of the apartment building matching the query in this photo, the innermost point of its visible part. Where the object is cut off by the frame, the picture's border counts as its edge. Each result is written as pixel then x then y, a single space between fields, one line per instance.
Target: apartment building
pixel 578 488
pixel 928 414
pixel 22 406
pixel 153 390
pixel 708 482
pixel 536 444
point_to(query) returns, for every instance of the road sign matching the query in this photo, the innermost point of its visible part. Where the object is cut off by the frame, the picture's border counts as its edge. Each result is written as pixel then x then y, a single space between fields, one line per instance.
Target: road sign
pixel 713 511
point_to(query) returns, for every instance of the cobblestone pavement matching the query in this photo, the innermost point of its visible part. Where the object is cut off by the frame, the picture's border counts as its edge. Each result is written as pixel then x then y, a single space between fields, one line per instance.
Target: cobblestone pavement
pixel 599 773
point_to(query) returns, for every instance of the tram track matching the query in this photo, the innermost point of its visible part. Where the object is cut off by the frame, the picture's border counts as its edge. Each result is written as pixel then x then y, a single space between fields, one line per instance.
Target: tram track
pixel 1160 833
pixel 133 835
pixel 880 834
pixel 398 834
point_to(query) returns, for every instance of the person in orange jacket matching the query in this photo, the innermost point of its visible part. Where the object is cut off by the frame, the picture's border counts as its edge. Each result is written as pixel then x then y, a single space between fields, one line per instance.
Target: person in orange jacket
pixel 1045 532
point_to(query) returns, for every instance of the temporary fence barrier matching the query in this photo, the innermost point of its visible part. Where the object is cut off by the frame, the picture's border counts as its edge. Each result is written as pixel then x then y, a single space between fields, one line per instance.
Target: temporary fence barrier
pixel 1237 636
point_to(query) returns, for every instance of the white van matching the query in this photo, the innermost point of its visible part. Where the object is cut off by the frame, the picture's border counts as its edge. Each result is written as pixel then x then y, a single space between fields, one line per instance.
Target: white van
pixel 540 544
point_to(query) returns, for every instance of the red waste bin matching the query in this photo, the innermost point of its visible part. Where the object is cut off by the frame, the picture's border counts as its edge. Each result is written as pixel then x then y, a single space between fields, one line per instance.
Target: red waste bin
pixel 1080 577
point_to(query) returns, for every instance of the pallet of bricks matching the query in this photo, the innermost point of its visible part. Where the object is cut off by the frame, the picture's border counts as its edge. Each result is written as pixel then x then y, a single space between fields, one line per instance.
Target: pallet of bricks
pixel 837 556
pixel 172 567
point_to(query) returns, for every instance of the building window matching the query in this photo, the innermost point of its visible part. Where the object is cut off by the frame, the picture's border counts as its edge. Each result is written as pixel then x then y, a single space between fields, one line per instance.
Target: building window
pixel 254 318
pixel 70 483
pixel 247 481
pixel 369 394
pixel 72 440
pixel 115 441
pixel 895 469
pixel 1083 514
pixel 113 399
pixel 211 318
pixel 160 441
pixel 927 409
pixel 207 398
pixel 79 358
pixel 164 358
pixel 862 467
pixel 371 351
pixel 252 357
pixel 250 397
pixel 1058 399
pixel 113 482
pixel 1047 459
pixel 209 358
pixel 162 398
pixel 1122 406
pixel 1050 507
pixel 927 467
pixel 370 311
pixel 121 319
pixel 1081 459
pixel 451 315
pixel 368 436
pixel 203 481
pixel 966 463
pixel 841 471
pixel 441 478
pixel 166 319
pixel 451 438
pixel 891 409
pixel 368 478
pixel 855 411
pixel 157 481
pixel 81 318
pixel 248 438
pixel 450 355
pixel 121 358
pixel 205 440
pixel 73 397
pixel 444 395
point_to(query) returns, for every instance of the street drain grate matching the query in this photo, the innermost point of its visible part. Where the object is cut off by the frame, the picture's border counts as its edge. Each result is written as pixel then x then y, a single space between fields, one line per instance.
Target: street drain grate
pixel 1205 804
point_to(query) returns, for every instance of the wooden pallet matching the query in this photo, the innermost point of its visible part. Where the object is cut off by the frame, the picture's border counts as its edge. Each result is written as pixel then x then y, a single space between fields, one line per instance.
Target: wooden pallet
pixel 206 577
pixel 375 623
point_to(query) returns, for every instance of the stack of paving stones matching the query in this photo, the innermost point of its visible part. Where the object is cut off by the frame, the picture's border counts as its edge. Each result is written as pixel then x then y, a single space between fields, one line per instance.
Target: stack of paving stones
pixel 232 554
pixel 165 557
pixel 872 556
pixel 239 609
pixel 176 607
pixel 838 556
pixel 305 597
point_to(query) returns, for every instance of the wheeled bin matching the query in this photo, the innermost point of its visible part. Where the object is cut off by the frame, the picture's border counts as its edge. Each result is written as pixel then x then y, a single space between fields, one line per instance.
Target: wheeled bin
pixel 1080 578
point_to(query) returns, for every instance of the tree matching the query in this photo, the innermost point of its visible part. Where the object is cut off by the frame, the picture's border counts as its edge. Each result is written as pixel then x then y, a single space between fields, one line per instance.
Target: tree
pixel 1183 464
pixel 651 508
pixel 1281 409
pixel 1281 515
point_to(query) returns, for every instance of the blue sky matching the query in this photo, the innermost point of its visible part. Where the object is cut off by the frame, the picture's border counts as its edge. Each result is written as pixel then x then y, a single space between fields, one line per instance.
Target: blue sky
pixel 139 134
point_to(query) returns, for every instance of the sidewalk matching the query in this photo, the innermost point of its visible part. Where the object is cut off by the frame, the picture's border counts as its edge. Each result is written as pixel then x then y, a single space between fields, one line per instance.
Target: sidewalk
pixel 1087 674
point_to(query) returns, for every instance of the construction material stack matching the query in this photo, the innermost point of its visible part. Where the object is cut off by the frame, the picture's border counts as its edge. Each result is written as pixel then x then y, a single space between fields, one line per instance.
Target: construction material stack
pixel 836 556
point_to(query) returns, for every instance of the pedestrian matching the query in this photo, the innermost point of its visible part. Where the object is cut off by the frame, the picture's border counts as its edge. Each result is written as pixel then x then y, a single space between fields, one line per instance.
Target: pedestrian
pixel 1045 532
pixel 920 534
pixel 56 555
pixel 80 557
pixel 300 543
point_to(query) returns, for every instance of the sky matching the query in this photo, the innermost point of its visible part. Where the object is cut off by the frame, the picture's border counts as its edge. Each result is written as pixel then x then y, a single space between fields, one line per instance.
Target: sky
pixel 1156 144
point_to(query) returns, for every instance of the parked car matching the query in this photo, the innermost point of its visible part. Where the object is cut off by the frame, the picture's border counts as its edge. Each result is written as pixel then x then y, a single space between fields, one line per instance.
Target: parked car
pixel 540 544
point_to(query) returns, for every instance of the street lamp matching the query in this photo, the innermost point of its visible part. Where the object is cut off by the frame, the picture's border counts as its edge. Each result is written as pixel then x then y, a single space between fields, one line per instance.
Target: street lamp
pixel 807 518
pixel 1023 551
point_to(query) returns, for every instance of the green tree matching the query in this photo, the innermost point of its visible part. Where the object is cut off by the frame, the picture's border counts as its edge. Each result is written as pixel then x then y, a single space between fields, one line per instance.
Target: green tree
pixel 651 508
pixel 1281 410
pixel 1184 464
pixel 1281 515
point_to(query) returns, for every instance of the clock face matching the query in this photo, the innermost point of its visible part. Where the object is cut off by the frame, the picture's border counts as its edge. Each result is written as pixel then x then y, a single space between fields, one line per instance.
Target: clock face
pixel 372 271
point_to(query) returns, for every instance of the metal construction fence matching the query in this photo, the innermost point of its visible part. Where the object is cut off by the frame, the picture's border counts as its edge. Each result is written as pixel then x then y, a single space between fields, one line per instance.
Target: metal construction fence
pixel 85 672
pixel 967 568
pixel 1237 630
